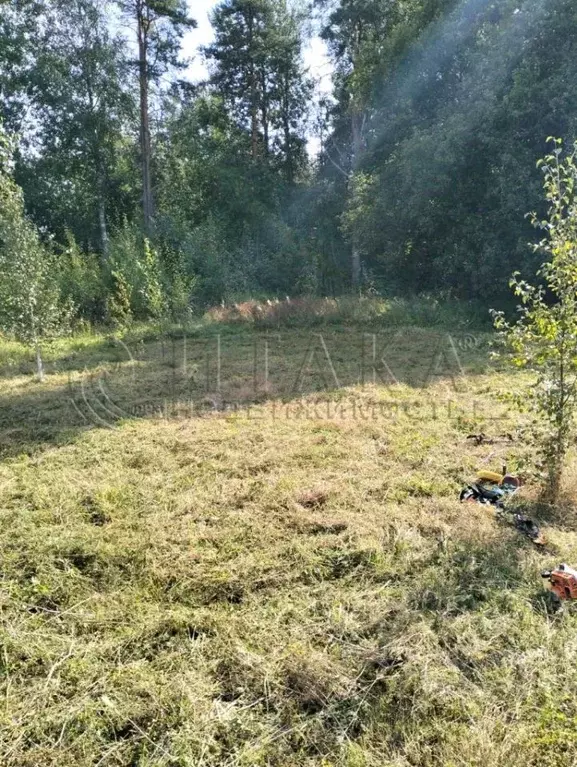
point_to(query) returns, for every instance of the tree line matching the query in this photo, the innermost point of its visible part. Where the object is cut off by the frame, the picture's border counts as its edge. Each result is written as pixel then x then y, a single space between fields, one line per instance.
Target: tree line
pixel 149 195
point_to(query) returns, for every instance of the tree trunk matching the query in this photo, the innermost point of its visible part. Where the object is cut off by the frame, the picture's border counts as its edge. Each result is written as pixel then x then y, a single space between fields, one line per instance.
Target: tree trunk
pixel 558 446
pixel 253 91
pixel 104 241
pixel 356 155
pixel 356 132
pixel 145 146
pixel 253 120
pixel 264 112
pixel 39 363
pixel 553 489
pixel 99 163
pixel 35 340
pixel 355 262
pixel 286 130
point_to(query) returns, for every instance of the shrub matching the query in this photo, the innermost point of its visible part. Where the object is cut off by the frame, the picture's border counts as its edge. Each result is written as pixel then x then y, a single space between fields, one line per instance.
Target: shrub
pixel 81 280
pixel 134 277
pixel 544 338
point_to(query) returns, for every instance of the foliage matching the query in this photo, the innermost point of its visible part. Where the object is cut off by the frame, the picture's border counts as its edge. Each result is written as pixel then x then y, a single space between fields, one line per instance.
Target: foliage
pixel 453 116
pixel 257 69
pixel 427 144
pixel 30 302
pixel 151 288
pixel 361 190
pixel 135 273
pixel 544 338
pixel 147 280
pixel 77 87
pixel 118 300
pixel 206 254
pixel 159 27
pixel 81 280
pixel 178 284
pixel 162 22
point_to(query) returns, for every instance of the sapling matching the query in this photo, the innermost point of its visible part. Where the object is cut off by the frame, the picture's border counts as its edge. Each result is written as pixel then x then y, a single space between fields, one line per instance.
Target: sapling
pixel 30 306
pixel 543 340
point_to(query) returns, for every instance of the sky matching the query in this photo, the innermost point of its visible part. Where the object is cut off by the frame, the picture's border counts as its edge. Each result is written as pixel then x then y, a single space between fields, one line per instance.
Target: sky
pixel 315 54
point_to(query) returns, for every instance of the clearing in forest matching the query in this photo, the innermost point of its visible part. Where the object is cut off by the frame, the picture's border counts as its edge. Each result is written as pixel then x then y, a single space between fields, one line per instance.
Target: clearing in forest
pixel 245 547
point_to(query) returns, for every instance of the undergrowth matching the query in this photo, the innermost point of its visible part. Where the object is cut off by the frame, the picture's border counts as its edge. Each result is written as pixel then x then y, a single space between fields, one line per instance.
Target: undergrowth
pixel 421 311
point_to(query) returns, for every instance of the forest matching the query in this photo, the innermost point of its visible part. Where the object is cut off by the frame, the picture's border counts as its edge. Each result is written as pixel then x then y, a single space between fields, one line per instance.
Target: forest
pixel 144 193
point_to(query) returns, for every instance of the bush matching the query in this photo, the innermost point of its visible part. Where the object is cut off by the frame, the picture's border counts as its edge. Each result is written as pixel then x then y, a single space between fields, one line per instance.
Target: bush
pixel 81 280
pixel 205 253
pixel 118 301
pixel 135 277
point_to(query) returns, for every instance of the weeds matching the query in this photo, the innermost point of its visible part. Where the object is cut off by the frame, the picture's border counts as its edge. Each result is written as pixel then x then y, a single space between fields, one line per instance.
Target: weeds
pixel 423 311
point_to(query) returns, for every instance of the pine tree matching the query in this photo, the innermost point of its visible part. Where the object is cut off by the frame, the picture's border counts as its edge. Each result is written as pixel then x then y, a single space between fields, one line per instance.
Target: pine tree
pixel 256 68
pixel 159 25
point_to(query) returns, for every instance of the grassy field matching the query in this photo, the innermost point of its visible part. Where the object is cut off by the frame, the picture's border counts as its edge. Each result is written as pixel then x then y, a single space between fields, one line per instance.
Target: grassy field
pixel 243 546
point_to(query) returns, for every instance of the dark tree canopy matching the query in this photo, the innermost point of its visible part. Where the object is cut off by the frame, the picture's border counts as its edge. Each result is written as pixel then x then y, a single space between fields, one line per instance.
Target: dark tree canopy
pixel 426 170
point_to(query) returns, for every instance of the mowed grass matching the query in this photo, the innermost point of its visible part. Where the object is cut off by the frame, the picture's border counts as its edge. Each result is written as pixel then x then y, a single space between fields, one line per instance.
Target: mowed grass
pixel 204 565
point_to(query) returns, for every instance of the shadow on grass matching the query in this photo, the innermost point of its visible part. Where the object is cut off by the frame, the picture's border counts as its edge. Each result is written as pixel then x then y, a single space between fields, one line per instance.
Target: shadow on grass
pixel 561 515
pixel 189 374
pixel 89 351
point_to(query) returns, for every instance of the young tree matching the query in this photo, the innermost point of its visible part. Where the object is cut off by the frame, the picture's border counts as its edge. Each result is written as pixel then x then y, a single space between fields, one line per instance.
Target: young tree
pixel 30 306
pixel 160 25
pixel 544 338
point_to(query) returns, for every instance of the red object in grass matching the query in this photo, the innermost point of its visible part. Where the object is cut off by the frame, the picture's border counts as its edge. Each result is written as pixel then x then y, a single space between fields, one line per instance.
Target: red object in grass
pixel 562 581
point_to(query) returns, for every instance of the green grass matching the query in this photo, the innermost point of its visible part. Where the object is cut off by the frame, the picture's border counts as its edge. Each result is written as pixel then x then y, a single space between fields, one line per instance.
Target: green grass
pixel 290 582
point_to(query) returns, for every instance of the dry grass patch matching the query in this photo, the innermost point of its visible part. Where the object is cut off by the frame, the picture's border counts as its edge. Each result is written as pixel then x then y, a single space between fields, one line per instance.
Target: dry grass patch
pixel 261 588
